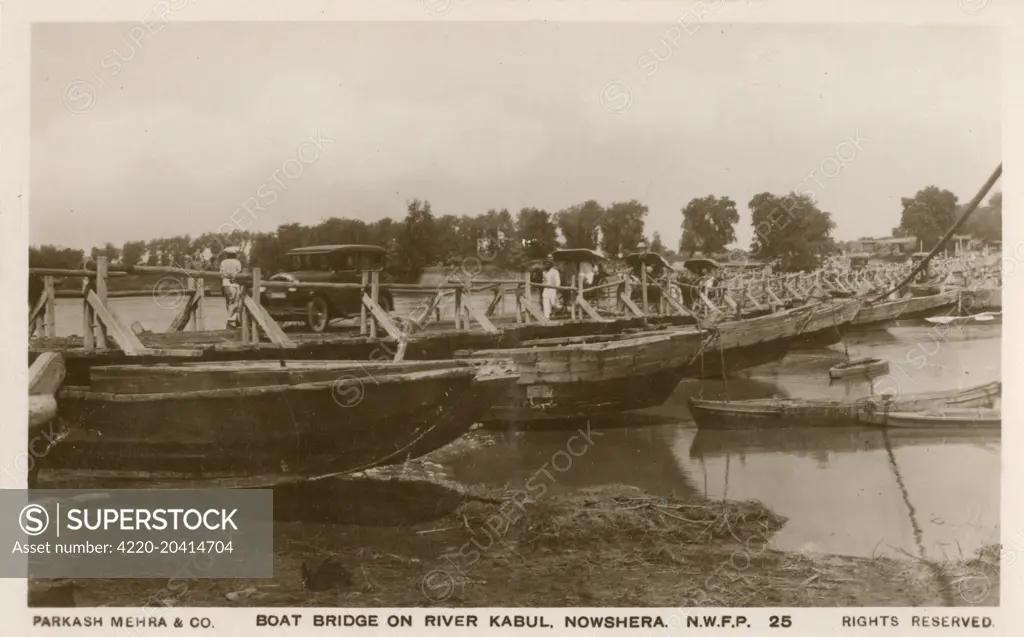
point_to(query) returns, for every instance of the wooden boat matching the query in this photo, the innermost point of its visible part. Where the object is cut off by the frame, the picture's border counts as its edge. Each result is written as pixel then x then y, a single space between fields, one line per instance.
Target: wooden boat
pixel 795 412
pixel 562 379
pixel 930 305
pixel 257 423
pixel 859 367
pixel 962 418
pixel 744 343
pixel 983 299
pixel 879 314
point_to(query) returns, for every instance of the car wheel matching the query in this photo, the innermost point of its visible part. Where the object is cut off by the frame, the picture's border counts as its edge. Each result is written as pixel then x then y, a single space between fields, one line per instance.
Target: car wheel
pixel 317 314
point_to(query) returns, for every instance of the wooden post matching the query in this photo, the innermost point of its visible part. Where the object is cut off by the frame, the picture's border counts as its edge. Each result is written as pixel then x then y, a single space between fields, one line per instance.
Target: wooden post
pixel 101 293
pixel 365 280
pixel 50 313
pixel 254 330
pixel 198 316
pixel 643 282
pixel 458 308
pixel 375 295
pixel 528 292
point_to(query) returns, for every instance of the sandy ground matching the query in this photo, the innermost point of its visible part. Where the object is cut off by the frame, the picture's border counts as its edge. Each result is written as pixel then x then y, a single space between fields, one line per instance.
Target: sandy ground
pixel 425 544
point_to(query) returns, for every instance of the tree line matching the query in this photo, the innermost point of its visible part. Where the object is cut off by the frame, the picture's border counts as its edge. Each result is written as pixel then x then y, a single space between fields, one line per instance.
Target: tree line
pixel 790 231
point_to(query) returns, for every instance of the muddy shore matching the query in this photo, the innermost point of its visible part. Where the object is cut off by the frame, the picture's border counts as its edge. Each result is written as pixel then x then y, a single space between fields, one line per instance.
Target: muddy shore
pixel 425 544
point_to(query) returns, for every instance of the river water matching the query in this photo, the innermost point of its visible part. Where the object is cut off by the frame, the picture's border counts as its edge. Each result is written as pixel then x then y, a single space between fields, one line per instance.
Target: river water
pixel 855 492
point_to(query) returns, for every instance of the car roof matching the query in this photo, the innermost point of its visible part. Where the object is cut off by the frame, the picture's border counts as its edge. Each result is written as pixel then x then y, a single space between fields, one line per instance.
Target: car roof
pixel 332 249
pixel 576 254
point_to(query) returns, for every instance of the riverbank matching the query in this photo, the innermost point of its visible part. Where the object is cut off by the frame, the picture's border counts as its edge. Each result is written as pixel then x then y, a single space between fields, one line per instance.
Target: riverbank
pixel 424 544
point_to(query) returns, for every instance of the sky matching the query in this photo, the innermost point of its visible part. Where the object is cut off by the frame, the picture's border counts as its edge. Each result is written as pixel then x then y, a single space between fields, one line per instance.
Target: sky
pixel 198 127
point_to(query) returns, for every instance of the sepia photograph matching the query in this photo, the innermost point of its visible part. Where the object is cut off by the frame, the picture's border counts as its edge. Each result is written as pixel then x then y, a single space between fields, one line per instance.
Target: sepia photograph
pixel 536 314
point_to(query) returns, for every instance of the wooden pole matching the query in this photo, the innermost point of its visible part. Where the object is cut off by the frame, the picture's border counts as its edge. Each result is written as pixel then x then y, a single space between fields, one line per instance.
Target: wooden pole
pixel 643 282
pixel 101 293
pixel 363 330
pixel 254 330
pixel 50 313
pixel 458 308
pixel 375 295
pixel 198 315
pixel 528 292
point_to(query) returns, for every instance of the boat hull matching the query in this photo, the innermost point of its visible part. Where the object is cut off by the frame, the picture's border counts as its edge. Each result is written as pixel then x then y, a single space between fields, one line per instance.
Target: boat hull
pixel 263 436
pixel 792 413
pixel 581 380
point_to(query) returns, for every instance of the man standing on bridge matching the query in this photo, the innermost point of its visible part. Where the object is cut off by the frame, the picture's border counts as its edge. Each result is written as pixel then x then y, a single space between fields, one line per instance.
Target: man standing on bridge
pixel 231 267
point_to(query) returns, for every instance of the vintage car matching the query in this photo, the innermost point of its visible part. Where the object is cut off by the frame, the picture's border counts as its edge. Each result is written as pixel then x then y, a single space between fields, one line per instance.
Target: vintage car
pixel 317 307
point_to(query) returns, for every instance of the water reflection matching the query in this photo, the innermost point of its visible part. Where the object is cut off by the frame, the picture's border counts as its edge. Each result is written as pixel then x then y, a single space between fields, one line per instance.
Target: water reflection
pixel 848 491
pixel 859 492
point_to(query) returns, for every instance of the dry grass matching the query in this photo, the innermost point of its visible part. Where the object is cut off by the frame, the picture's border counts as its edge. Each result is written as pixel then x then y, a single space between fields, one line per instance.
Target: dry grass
pixel 613 546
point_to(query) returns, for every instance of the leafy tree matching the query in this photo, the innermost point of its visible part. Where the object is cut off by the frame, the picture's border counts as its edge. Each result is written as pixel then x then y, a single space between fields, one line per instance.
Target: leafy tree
pixel 579 224
pixel 928 215
pixel 536 233
pixel 49 256
pixel 987 221
pixel 132 252
pixel 622 226
pixel 791 230
pixel 708 225
pixel 416 244
pixel 656 245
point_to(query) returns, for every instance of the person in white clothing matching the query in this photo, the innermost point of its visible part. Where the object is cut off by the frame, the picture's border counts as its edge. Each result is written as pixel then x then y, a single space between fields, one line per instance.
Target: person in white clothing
pixel 548 296
pixel 231 267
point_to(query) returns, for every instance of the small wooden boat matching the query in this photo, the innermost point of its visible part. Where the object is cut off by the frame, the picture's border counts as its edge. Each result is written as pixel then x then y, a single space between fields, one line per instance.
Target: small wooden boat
pixel 963 418
pixel 859 367
pixel 991 318
pixel 257 423
pixel 795 412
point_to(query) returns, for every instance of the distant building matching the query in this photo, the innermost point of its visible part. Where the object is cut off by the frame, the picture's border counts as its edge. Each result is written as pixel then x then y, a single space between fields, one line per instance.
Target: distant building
pixel 889 246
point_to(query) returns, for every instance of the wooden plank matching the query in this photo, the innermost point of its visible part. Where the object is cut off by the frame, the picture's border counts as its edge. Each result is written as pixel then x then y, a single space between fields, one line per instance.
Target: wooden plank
pixel 629 304
pixel 479 316
pixel 533 310
pixel 184 316
pixel 50 317
pixel 383 319
pixel 46 374
pixel 35 317
pixel 270 327
pixel 677 306
pixel 101 295
pixel 124 337
pixel 591 312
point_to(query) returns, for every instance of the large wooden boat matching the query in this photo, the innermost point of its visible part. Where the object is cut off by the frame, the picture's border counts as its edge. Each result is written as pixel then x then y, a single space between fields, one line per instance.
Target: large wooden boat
pixel 560 379
pixel 873 314
pixel 257 423
pixel 796 412
pixel 748 342
pixel 924 306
